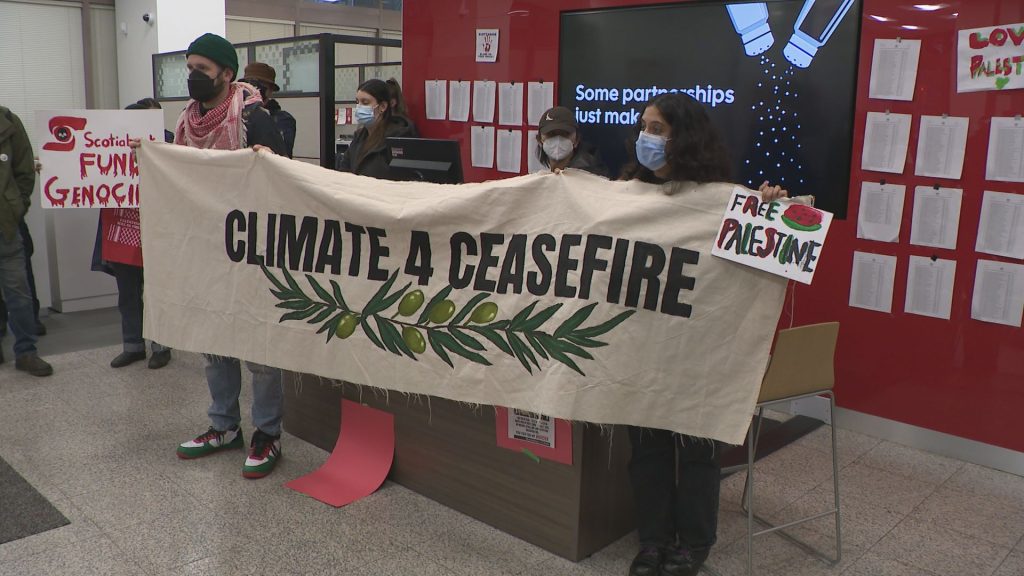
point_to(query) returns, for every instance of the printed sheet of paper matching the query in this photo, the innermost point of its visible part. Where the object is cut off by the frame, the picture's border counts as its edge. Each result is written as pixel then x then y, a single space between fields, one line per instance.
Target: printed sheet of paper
pixel 930 287
pixel 936 220
pixel 998 293
pixel 885 142
pixel 1005 150
pixel 510 150
pixel 437 99
pixel 894 69
pixel 540 99
pixel 871 284
pixel 941 144
pixel 881 211
pixel 458 100
pixel 533 164
pixel 1001 231
pixel 537 436
pixel 483 100
pixel 510 103
pixel 482 146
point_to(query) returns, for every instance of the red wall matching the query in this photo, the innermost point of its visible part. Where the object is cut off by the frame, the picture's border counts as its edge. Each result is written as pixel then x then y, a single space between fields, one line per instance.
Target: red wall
pixel 961 376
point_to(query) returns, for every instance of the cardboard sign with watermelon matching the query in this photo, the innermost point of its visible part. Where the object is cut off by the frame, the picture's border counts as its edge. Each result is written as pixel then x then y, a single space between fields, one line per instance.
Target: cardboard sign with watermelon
pixel 782 237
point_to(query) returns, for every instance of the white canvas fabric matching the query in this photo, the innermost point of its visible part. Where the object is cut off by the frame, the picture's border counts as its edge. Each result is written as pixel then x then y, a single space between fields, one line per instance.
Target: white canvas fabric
pixel 205 221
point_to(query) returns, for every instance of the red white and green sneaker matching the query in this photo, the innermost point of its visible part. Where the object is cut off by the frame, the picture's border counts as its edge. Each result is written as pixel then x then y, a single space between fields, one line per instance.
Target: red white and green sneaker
pixel 264 452
pixel 211 441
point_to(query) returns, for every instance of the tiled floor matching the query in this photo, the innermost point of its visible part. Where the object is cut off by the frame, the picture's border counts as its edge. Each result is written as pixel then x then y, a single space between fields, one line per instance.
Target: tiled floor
pixel 99 444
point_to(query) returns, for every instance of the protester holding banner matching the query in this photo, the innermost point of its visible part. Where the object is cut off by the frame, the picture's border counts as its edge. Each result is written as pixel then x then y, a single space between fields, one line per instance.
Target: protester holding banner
pixel 676 478
pixel 263 77
pixel 368 154
pixel 228 115
pixel 17 178
pixel 560 144
pixel 118 251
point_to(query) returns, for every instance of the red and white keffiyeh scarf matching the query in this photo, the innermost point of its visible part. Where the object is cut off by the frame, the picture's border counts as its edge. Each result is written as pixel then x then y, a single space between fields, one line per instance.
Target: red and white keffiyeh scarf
pixel 221 127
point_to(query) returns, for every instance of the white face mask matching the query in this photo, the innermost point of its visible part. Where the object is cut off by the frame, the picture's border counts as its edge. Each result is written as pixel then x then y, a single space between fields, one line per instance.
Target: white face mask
pixel 557 148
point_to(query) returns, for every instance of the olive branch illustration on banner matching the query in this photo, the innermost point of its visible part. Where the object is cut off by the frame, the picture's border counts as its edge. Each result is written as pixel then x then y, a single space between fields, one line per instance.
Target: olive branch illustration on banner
pixel 461 333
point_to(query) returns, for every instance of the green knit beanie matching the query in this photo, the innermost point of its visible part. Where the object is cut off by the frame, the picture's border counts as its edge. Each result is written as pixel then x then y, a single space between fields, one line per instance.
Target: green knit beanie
pixel 215 48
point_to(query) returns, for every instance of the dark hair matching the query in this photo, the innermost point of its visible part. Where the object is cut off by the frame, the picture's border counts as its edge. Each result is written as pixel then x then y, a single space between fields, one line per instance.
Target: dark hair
pixel 376 132
pixel 694 151
pixel 144 104
pixel 395 93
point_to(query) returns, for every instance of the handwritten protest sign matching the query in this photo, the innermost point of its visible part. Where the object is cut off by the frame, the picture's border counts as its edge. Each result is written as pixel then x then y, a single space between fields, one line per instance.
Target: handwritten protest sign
pixel 783 238
pixel 86 159
pixel 990 58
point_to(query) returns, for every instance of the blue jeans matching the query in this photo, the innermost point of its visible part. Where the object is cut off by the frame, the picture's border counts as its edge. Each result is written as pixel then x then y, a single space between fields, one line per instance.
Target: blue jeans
pixel 224 377
pixel 17 295
pixel 129 303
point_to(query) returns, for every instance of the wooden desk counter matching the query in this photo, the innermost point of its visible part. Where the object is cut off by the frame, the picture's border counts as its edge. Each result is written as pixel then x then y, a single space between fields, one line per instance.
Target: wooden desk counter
pixel 447 451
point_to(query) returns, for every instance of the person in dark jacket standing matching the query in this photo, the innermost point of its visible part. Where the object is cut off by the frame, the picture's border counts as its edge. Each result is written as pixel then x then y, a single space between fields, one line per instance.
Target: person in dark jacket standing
pixel 368 154
pixel 560 144
pixel 17 178
pixel 228 115
pixel 676 478
pixel 118 252
pixel 263 77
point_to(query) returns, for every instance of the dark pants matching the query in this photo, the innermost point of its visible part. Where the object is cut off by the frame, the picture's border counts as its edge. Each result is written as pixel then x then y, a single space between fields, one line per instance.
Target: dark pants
pixel 26 240
pixel 675 482
pixel 129 303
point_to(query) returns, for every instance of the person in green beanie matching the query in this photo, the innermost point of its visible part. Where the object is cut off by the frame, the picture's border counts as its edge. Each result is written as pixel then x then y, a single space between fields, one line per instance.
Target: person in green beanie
pixel 223 114
pixel 228 115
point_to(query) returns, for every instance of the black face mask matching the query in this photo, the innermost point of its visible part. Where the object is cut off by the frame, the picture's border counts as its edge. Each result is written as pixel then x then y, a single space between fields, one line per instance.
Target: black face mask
pixel 201 87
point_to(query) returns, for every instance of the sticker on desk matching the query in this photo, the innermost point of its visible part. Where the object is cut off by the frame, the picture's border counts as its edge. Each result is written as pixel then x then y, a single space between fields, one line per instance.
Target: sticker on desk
pixel 780 237
pixel 523 431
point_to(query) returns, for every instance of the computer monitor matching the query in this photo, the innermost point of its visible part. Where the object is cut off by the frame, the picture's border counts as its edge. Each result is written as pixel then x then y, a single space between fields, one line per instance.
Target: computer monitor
pixel 425 160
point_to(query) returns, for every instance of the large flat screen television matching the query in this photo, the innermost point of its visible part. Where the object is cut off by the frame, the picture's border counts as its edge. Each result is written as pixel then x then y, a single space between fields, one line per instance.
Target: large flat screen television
pixel 778 78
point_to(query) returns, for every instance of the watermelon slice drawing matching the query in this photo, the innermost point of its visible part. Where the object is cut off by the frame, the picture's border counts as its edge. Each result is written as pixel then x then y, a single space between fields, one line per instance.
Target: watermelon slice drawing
pixel 802 218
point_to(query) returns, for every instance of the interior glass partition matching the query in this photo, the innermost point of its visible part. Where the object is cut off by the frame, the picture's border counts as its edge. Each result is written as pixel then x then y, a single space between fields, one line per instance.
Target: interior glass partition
pixel 312 84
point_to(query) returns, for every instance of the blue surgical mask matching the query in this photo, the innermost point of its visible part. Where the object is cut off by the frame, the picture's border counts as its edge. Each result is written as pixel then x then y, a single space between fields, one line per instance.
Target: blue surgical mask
pixel 364 114
pixel 650 151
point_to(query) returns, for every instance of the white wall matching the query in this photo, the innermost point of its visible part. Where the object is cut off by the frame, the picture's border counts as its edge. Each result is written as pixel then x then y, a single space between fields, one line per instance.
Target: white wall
pixel 179 22
pixel 173 26
pixel 136 44
pixel 253 30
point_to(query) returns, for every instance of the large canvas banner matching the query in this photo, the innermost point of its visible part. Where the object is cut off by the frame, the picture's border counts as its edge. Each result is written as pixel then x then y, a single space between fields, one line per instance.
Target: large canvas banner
pixel 561 294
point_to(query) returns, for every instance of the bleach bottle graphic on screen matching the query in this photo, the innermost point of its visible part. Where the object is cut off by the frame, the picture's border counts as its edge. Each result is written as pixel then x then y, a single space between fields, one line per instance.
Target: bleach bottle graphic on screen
pixel 751 23
pixel 817 21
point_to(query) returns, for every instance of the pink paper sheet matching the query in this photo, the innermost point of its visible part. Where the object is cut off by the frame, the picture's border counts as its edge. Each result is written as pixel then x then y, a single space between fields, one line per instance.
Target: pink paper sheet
pixel 360 461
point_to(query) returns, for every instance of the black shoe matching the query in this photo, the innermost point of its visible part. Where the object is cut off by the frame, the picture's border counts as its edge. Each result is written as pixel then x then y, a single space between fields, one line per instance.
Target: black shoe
pixel 1 356
pixel 680 561
pixel 159 359
pixel 125 358
pixel 33 364
pixel 40 329
pixel 646 563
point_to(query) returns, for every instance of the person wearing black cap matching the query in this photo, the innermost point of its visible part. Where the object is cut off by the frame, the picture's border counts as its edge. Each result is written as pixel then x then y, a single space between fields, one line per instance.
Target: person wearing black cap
pixel 560 144
pixel 228 115
pixel 263 77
